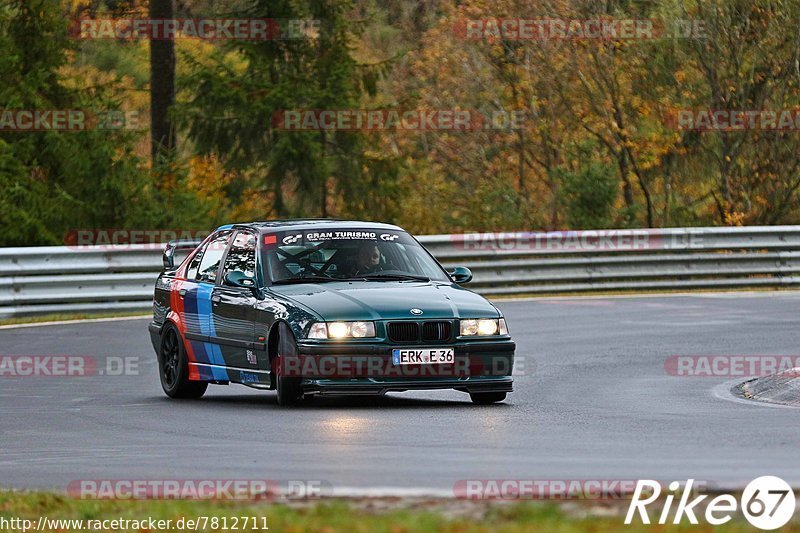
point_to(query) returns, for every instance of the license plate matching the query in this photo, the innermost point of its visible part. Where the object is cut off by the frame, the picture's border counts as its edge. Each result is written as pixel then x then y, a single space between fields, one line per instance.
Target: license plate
pixel 422 356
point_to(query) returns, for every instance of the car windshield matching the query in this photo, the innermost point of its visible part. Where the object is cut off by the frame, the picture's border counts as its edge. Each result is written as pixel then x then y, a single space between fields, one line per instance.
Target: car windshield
pixel 317 256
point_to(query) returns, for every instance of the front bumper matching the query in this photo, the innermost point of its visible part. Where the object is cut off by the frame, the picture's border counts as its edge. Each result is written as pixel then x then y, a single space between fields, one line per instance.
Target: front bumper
pixel 373 387
pixel 504 346
pixel 367 368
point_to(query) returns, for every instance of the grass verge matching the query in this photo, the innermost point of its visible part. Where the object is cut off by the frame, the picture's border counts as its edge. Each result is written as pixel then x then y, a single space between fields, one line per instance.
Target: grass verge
pixel 390 515
pixel 67 316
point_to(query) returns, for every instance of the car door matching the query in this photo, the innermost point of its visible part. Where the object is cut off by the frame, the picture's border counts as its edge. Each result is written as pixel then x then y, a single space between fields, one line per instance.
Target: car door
pixel 233 307
pixel 197 294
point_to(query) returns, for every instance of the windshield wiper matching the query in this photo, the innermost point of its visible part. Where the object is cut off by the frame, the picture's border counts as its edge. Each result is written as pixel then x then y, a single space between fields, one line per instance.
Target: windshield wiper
pixel 304 279
pixel 395 277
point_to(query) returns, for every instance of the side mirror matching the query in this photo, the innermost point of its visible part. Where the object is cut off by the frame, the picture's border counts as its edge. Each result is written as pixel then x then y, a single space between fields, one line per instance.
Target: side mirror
pixel 168 257
pixel 461 275
pixel 238 279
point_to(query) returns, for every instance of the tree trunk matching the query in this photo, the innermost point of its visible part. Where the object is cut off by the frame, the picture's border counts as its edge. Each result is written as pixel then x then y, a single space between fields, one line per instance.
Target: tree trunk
pixel 162 85
pixel 323 199
pixel 627 189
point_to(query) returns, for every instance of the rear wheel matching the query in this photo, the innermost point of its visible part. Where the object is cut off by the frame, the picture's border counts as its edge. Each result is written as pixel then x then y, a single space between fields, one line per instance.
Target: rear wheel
pixel 485 398
pixel 289 390
pixel 173 367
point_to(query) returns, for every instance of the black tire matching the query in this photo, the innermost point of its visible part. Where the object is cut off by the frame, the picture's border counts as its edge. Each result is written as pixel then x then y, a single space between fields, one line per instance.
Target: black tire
pixel 173 367
pixel 485 398
pixel 289 389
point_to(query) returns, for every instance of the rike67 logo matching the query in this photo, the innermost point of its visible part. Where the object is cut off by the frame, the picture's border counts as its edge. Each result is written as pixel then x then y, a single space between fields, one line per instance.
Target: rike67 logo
pixel 767 502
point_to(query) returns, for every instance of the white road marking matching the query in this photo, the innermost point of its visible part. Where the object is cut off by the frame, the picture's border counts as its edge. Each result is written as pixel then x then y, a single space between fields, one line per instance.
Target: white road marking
pixel 76 321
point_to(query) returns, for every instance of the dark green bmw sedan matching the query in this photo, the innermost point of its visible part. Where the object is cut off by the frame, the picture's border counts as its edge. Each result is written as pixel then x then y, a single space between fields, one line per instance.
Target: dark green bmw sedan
pixel 324 307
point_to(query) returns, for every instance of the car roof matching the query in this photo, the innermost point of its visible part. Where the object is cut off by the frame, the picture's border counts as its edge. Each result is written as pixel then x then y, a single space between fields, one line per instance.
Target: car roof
pixel 268 226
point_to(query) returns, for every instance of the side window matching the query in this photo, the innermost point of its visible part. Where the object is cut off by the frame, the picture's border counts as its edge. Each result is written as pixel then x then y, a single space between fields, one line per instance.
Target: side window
pixel 209 264
pixel 191 271
pixel 242 255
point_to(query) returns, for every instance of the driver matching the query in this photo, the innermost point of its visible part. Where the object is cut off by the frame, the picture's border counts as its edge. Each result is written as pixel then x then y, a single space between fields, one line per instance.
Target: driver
pixel 368 259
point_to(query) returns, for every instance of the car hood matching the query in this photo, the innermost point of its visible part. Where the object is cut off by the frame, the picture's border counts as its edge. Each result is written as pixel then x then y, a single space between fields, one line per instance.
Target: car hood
pixel 380 300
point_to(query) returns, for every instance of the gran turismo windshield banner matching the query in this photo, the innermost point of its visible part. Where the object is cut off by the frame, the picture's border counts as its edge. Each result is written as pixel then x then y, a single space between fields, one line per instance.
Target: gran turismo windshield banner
pixel 302 238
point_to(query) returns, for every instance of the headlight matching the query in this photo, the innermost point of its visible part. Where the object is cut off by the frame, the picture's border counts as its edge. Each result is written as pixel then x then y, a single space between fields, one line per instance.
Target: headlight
pixel 483 327
pixel 337 330
pixel 487 327
pixel 362 329
pixel 341 330
pixel 469 327
pixel 318 331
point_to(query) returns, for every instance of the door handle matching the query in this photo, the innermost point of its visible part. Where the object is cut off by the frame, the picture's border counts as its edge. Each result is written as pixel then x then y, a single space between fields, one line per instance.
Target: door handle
pixel 216 299
pixel 182 293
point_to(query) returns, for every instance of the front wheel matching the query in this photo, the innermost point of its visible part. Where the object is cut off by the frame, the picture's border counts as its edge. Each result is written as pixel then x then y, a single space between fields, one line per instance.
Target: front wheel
pixel 289 389
pixel 173 367
pixel 485 398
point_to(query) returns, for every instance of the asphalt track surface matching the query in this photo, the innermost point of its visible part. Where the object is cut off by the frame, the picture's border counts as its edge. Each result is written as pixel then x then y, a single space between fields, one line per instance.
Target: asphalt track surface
pixel 594 402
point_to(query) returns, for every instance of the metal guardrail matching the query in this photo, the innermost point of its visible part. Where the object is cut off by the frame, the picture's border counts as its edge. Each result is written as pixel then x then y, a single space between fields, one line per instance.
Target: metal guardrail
pixel 61 279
